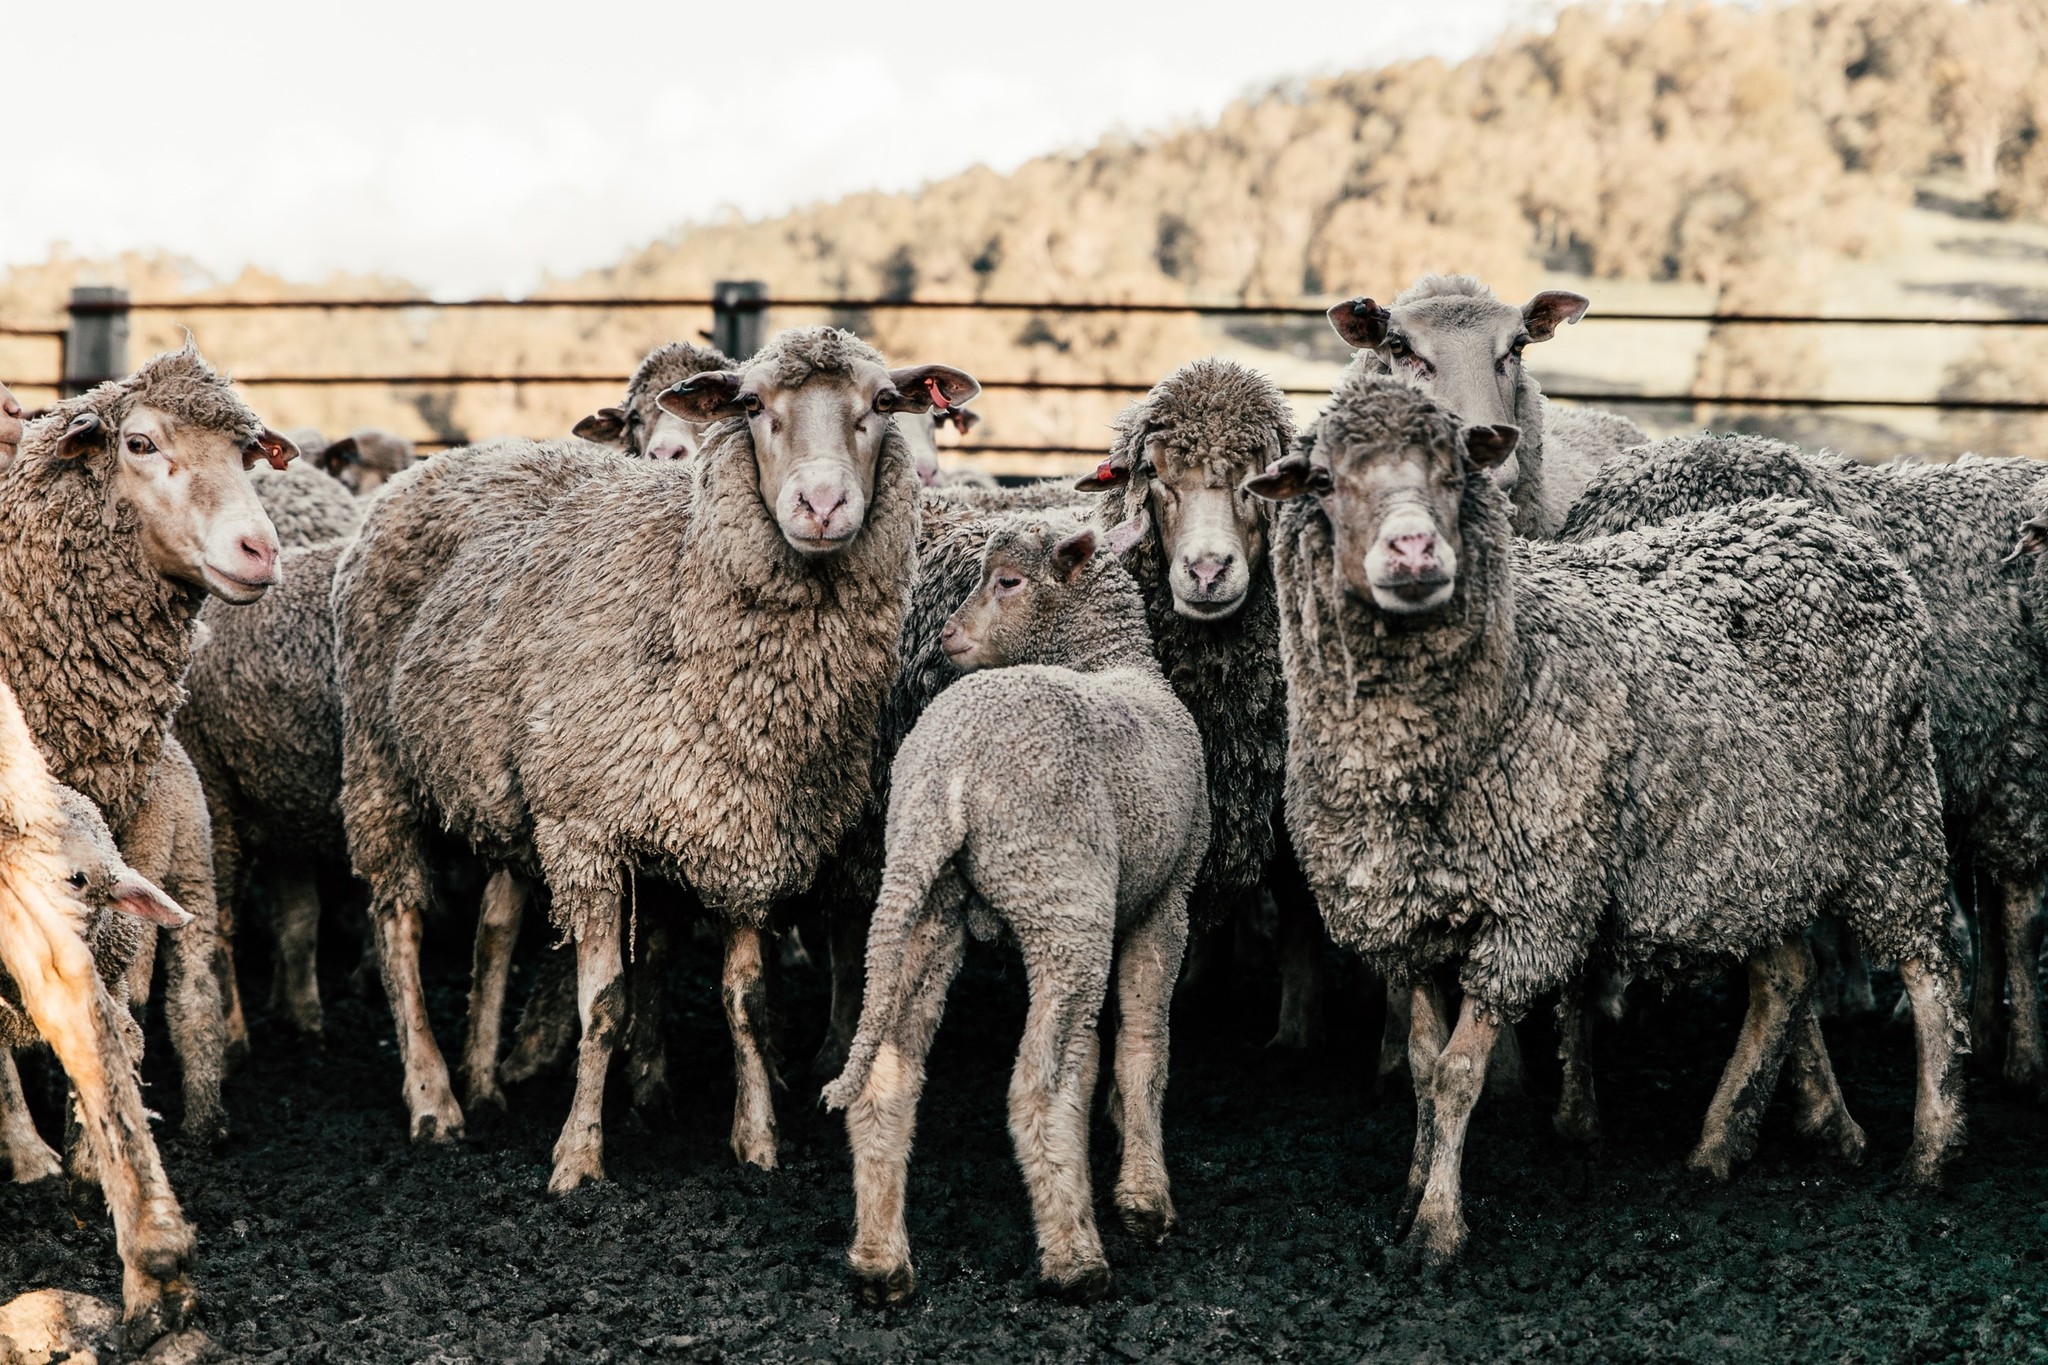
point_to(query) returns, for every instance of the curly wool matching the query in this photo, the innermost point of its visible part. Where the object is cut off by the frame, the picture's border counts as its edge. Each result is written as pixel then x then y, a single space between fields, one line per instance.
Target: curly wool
pixel 709 713
pixel 1234 421
pixel 1949 527
pixel 305 503
pixel 1664 750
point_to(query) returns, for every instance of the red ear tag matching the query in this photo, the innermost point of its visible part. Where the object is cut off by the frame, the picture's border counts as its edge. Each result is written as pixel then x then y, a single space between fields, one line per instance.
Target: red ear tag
pixel 1106 470
pixel 931 386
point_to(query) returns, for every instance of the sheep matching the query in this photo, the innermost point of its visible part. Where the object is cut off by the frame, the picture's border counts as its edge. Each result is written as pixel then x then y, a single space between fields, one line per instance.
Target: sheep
pixel 364 461
pixel 1451 337
pixel 922 434
pixel 10 425
pixel 1651 754
pixel 1058 793
pixel 53 857
pixel 1949 527
pixel 639 425
pixel 127 507
pixel 306 506
pixel 711 716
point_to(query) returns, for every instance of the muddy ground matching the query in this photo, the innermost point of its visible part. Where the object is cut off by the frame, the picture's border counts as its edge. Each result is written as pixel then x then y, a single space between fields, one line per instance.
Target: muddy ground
pixel 325 1237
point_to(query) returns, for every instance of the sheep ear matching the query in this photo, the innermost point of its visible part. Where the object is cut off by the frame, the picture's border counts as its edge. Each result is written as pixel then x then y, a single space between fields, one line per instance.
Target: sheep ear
pixel 1127 536
pixel 1113 472
pixel 704 397
pixel 2033 539
pixel 86 434
pixel 963 419
pixel 135 896
pixel 1550 310
pixel 340 455
pixel 1361 322
pixel 1489 447
pixel 280 451
pixel 1289 478
pixel 606 426
pixel 927 388
pixel 1071 555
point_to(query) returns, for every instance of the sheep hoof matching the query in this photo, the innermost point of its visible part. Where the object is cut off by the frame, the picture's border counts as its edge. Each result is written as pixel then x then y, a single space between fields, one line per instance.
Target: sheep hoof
pixel 574 1170
pixel 34 1161
pixel 1712 1162
pixel 206 1125
pixel 1922 1167
pixel 1148 1223
pixel 1090 1284
pixel 884 1288
pixel 438 1123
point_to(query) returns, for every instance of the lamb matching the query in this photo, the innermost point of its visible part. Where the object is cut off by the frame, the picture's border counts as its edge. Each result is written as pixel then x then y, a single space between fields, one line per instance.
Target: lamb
pixel 1057 793
pixel 711 717
pixel 10 425
pixel 640 425
pixel 1949 527
pixel 108 557
pixel 1651 754
pixel 1452 338
pixel 51 978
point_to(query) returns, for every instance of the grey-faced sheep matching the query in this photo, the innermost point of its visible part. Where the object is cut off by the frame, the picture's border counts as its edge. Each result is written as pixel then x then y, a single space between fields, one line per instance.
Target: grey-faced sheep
pixel 1949 527
pixel 364 461
pixel 51 860
pixel 1057 794
pixel 1654 754
pixel 1452 338
pixel 639 425
pixel 710 715
pixel 126 509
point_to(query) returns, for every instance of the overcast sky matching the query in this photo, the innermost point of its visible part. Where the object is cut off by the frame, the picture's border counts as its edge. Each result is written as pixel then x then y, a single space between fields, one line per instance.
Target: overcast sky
pixel 475 148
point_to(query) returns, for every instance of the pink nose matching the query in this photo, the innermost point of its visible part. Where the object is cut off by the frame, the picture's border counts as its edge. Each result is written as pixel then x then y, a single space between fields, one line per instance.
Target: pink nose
pixel 1413 554
pixel 1207 571
pixel 260 556
pixel 821 506
pixel 668 450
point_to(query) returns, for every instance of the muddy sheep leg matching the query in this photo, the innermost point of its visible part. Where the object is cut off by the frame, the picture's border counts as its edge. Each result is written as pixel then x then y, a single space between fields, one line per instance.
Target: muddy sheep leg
pixel 497 933
pixel 744 990
pixel 1456 1078
pixel 882 1119
pixel 1578 1110
pixel 547 1024
pixel 1780 984
pixel 1147 965
pixel 28 1156
pixel 296 994
pixel 1429 1032
pixel 1935 986
pixel 600 1009
pixel 646 1043
pixel 2026 1066
pixel 1819 1111
pixel 849 949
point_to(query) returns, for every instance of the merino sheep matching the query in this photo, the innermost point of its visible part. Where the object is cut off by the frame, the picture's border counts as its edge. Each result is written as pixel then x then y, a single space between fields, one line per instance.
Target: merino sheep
pixel 922 435
pixel 127 507
pixel 639 425
pixel 1651 754
pixel 710 717
pixel 54 876
pixel 989 829
pixel 364 461
pixel 1949 527
pixel 10 425
pixel 1451 337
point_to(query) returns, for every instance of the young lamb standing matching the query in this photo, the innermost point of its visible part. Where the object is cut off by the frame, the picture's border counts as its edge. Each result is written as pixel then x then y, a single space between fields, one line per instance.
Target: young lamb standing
pixel 51 974
pixel 1654 754
pixel 1056 793
pixel 586 664
pixel 1452 338
pixel 126 509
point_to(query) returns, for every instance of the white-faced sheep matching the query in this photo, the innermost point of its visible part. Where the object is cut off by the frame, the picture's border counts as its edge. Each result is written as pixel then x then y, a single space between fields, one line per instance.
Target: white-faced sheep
pixel 126 509
pixel 921 433
pixel 711 716
pixel 1950 527
pixel 993 826
pixel 51 861
pixel 639 425
pixel 1452 338
pixel 1654 754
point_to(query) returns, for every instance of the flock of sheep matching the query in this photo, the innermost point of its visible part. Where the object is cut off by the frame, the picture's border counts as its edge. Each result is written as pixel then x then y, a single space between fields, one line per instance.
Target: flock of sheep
pixel 1516 705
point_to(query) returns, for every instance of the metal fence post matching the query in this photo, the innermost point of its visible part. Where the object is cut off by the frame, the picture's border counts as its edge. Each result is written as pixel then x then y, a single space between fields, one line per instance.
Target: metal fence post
pixel 739 309
pixel 96 348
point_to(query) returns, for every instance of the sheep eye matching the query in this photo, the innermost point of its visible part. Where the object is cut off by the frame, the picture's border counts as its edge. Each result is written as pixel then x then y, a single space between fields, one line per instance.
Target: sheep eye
pixel 750 403
pixel 1008 582
pixel 77 881
pixel 1397 347
pixel 138 444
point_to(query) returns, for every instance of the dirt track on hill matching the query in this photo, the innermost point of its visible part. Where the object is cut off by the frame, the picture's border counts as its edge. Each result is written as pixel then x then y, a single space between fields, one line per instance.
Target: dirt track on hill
pixel 325 1237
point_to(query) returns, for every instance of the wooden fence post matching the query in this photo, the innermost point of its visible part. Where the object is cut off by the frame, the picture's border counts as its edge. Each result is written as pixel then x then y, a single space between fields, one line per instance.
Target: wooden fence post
pixel 739 308
pixel 96 348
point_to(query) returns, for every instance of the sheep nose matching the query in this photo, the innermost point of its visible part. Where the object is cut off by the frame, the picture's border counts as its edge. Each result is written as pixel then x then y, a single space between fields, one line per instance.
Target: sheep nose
pixel 949 634
pixel 821 504
pixel 261 555
pixel 1208 569
pixel 1414 553
pixel 667 450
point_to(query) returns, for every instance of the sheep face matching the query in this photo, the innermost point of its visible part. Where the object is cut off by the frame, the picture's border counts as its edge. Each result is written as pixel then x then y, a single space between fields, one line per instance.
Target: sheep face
pixel 118 901
pixel 1025 574
pixel 1212 533
pixel 363 462
pixel 817 440
pixel 10 426
pixel 1463 350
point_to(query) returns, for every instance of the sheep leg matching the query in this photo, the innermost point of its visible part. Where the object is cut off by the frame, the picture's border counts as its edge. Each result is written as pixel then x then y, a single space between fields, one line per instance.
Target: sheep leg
pixel 1394 1040
pixel 1819 1111
pixel 1050 1089
pixel 1429 1032
pixel 2026 1066
pixel 497 932
pixel 601 1010
pixel 226 853
pixel 849 948
pixel 646 1047
pixel 547 1022
pixel 429 1099
pixel 744 990
pixel 1578 1110
pixel 1987 1003
pixel 192 1008
pixel 1455 1082
pixel 1148 963
pixel 1300 931
pixel 28 1156
pixel 297 995
pixel 883 1118
pixel 1780 984
pixel 1935 986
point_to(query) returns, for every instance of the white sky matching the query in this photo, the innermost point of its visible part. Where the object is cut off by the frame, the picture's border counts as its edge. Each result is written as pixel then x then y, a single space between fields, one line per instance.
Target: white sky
pixel 474 148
